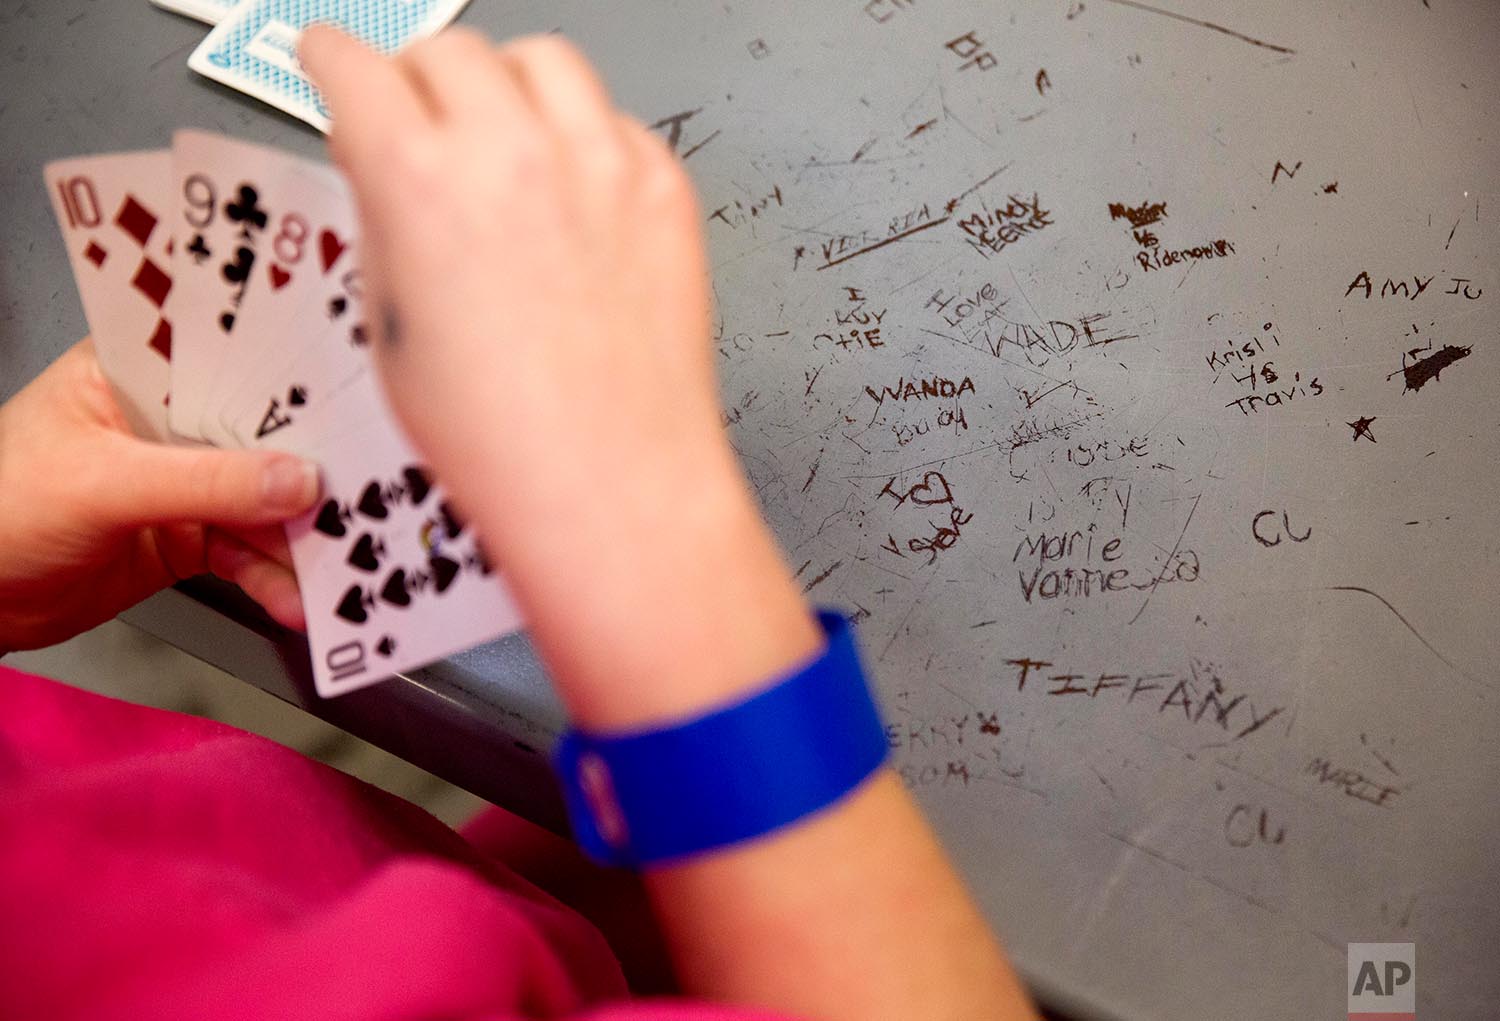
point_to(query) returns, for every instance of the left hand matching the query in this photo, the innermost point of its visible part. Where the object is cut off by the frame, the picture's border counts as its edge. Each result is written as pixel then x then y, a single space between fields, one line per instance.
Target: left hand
pixel 93 519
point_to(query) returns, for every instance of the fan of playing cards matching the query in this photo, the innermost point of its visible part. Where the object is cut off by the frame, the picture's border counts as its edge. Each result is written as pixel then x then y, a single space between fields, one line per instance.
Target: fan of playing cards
pixel 222 288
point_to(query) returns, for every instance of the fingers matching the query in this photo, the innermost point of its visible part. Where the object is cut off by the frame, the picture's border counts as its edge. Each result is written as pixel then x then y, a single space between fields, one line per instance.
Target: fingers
pixel 562 87
pixel 270 584
pixel 457 74
pixel 154 484
pixel 267 540
pixel 662 176
pixel 371 100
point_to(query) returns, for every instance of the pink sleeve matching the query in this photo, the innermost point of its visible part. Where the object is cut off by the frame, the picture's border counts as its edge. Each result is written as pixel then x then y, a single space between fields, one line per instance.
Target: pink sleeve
pixel 162 866
pixel 675 1010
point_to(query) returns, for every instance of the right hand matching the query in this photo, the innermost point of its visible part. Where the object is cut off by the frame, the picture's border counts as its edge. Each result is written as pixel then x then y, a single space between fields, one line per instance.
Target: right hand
pixel 536 262
pixel 537 265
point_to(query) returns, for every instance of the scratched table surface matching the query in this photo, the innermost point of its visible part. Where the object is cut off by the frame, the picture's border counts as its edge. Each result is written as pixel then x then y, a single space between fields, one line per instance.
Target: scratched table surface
pixel 1129 371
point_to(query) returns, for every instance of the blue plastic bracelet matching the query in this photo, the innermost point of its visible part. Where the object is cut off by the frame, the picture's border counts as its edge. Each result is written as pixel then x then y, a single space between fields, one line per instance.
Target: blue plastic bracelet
pixel 736 773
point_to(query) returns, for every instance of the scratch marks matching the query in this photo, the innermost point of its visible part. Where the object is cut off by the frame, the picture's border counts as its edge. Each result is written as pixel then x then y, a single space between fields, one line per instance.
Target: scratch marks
pixel 883 242
pixel 1170 557
pixel 820 579
pixel 817 463
pixel 1424 370
pixel 1282 168
pixel 1204 24
pixel 921 128
pixel 1408 625
pixel 952 203
pixel 700 145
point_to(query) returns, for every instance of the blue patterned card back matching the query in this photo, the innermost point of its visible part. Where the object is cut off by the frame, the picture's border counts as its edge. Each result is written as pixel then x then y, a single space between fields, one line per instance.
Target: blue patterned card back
pixel 254 49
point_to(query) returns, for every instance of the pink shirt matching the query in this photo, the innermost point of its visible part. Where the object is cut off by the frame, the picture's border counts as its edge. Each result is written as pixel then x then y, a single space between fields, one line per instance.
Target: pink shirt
pixel 159 866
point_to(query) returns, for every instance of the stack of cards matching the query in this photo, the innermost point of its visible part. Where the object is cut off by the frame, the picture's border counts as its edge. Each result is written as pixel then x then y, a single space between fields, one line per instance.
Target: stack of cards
pixel 221 283
pixel 253 46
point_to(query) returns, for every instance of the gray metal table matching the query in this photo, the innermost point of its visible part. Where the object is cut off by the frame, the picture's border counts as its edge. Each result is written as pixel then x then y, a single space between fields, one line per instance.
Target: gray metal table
pixel 1080 349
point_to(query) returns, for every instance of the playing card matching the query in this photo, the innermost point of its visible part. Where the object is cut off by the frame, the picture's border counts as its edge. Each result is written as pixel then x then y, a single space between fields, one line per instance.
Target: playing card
pixel 224 225
pixel 211 11
pixel 325 393
pixel 391 578
pixel 113 211
pixel 254 48
pixel 309 239
pixel 313 327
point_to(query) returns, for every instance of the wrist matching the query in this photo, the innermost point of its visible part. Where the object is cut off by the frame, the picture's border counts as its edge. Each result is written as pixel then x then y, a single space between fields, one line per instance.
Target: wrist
pixel 683 615
pixel 793 747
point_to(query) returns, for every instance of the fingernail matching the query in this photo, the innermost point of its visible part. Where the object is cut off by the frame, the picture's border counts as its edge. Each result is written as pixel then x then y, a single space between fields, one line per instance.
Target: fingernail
pixel 289 483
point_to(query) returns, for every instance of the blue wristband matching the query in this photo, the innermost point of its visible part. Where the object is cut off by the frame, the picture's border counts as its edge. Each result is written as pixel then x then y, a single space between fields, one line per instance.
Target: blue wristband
pixel 738 772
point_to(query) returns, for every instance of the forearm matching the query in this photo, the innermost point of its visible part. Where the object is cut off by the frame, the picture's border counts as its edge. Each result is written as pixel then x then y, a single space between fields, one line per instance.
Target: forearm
pixel 653 590
pixel 852 913
pixel 688 606
pixel 855 913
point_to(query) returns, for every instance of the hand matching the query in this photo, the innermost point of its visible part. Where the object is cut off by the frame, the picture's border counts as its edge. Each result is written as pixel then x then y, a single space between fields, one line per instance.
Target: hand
pixel 539 263
pixel 538 259
pixel 93 519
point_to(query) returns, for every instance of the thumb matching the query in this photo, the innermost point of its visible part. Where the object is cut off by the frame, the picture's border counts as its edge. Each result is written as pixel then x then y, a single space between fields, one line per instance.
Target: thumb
pixel 159 484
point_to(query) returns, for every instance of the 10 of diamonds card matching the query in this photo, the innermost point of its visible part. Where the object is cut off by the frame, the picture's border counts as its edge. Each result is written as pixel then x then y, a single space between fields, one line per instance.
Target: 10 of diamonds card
pixel 113 211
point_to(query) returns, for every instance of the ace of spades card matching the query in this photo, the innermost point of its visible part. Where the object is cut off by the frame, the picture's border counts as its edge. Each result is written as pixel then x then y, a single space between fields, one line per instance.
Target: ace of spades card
pixel 113 212
pixel 391 577
pixel 277 408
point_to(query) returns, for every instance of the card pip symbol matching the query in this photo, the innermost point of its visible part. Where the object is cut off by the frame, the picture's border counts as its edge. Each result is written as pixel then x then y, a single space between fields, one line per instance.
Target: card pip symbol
pixel 1382 982
pixel 366 553
pixel 331 519
pixel 353 606
pixel 161 339
pixel 136 220
pixel 151 282
pixel 246 209
pixel 330 247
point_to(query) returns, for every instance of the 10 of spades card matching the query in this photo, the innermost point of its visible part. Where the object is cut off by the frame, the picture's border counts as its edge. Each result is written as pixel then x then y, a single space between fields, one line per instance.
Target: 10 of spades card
pixel 390 574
